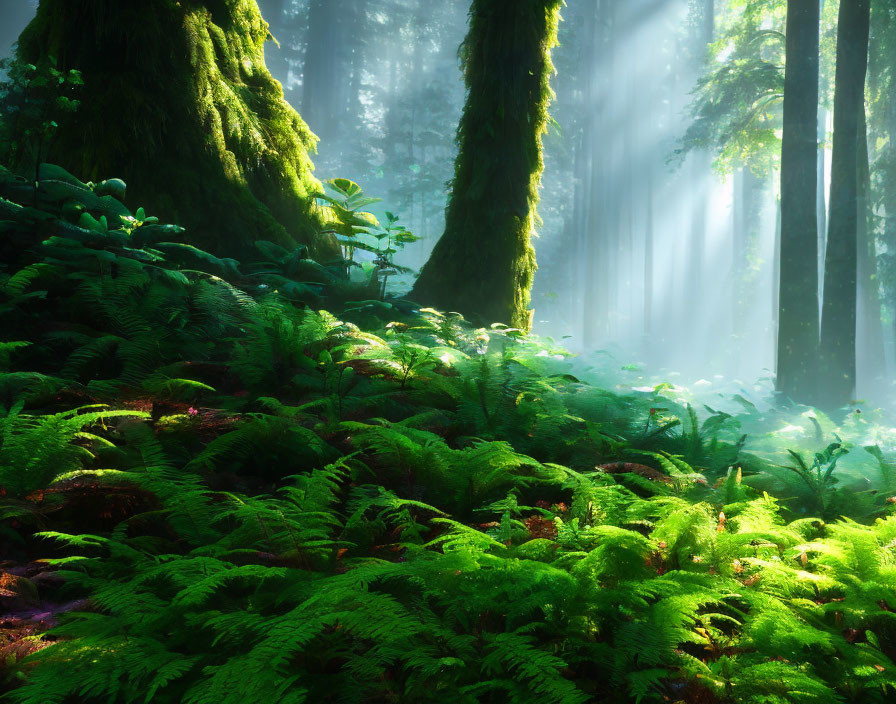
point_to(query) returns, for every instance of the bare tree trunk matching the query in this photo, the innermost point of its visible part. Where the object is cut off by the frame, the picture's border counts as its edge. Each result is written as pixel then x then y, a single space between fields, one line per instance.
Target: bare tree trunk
pixel 747 212
pixel 870 356
pixel 821 200
pixel 838 320
pixel 821 196
pixel 798 275
pixel 326 79
pixel 776 285
pixel 648 256
pixel 595 311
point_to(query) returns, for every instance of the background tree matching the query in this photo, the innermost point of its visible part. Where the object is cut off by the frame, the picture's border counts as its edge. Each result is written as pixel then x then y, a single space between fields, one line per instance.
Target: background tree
pixel 483 265
pixel 798 293
pixel 15 14
pixel 882 155
pixel 838 323
pixel 185 111
pixel 737 114
pixel 333 29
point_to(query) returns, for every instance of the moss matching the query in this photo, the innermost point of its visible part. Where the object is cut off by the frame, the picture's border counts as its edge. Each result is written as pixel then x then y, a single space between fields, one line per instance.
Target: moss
pixel 178 102
pixel 484 264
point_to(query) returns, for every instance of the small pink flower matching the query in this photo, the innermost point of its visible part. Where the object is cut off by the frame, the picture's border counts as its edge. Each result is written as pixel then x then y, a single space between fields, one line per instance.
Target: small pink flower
pixel 192 412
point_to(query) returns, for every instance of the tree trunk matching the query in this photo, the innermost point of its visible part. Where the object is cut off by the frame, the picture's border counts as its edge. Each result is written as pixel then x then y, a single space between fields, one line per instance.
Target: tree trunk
pixel 889 192
pixel 648 255
pixel 747 210
pixel 583 174
pixel 326 79
pixel 701 171
pixel 16 14
pixel 484 264
pixel 821 200
pixel 838 319
pixel 798 275
pixel 821 197
pixel 776 281
pixel 599 205
pixel 870 356
pixel 182 108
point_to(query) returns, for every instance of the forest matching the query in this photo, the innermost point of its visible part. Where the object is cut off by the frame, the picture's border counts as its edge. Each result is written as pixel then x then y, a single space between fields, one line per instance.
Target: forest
pixel 469 351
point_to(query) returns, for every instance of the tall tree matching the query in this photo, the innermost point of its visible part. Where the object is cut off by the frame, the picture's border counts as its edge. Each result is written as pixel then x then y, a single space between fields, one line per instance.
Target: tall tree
pixel 284 54
pixel 749 191
pixel 597 221
pixel 701 161
pixel 326 78
pixel 484 264
pixel 798 272
pixel 838 318
pixel 870 356
pixel 821 198
pixel 882 134
pixel 182 107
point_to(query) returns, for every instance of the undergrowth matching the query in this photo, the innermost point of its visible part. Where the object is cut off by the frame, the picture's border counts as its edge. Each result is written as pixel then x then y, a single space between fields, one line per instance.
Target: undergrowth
pixel 216 491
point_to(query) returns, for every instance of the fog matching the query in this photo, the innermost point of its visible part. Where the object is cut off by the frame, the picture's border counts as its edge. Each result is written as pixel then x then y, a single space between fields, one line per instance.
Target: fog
pixel 648 260
pixel 658 286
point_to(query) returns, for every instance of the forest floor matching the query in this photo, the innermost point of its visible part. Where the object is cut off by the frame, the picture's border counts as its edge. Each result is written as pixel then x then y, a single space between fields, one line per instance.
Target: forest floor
pixel 214 490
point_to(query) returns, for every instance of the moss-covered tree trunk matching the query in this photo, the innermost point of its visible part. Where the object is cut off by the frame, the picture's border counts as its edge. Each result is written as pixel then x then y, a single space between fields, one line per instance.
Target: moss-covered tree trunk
pixel 484 264
pixel 178 102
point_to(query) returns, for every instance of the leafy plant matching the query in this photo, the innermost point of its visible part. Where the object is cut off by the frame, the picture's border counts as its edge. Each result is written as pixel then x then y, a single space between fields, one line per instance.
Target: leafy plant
pixel 363 231
pixel 280 501
pixel 33 99
pixel 818 477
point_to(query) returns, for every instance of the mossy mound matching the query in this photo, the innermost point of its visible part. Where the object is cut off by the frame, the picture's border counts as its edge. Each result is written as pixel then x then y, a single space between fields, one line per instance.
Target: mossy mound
pixel 182 107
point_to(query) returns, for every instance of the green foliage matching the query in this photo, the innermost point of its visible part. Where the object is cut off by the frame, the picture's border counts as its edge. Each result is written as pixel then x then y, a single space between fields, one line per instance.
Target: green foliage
pixel 737 103
pixel 819 476
pixel 412 509
pixel 36 450
pixel 363 231
pixel 34 99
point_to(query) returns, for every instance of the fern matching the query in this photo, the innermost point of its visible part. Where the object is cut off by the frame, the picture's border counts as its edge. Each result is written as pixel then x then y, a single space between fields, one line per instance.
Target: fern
pixel 35 450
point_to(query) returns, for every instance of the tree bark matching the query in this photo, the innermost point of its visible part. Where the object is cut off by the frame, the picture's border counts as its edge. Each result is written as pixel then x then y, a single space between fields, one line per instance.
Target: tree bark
pixel 821 200
pixel 747 210
pixel 889 194
pixel 601 210
pixel 870 355
pixel 776 280
pixel 798 274
pixel 821 197
pixel 182 107
pixel 484 263
pixel 648 256
pixel 838 319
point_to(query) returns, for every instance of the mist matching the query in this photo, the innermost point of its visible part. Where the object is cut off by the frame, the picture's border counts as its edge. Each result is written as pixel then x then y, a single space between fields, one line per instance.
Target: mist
pixel 655 253
pixel 461 351
pixel 651 252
